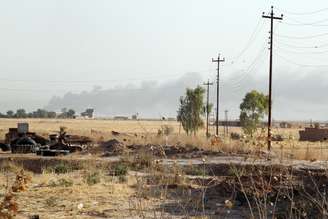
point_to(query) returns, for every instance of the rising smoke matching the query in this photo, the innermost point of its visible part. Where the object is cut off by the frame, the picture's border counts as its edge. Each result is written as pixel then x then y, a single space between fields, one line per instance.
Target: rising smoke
pixel 296 96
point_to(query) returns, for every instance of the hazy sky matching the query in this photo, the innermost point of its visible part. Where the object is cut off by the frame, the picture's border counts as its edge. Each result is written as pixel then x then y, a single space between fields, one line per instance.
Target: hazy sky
pixel 51 47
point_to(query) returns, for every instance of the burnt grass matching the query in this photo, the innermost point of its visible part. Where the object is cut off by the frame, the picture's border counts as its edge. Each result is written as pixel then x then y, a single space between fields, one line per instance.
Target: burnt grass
pixel 218 190
pixel 269 192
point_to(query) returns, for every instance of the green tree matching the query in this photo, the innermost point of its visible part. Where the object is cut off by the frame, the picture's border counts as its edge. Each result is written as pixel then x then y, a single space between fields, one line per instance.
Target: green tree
pixel 40 113
pixel 52 114
pixel 252 110
pixel 10 114
pixel 21 113
pixel 191 110
pixel 70 113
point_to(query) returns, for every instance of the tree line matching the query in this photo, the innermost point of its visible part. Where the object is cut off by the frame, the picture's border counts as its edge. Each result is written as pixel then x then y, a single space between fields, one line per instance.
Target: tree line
pixel 39 113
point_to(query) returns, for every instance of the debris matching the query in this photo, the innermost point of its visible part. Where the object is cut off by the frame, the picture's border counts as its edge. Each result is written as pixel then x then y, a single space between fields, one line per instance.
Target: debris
pixel 277 138
pixel 113 147
pixel 4 147
pixel 115 133
pixel 314 134
pixel 228 204
pixel 20 140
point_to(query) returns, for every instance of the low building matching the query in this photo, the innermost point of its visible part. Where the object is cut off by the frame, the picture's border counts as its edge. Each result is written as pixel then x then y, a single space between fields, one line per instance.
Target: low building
pixel 121 118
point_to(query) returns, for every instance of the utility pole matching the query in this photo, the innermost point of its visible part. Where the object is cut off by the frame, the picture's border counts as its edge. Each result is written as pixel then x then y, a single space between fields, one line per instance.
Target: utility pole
pixel 217 92
pixel 226 131
pixel 271 17
pixel 207 105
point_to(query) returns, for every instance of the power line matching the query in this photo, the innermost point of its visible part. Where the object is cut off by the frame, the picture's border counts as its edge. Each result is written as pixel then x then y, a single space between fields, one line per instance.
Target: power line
pixel 238 78
pixel 302 13
pixel 313 23
pixel 301 37
pixel 298 64
pixel 304 24
pixel 250 41
pixel 302 52
pixel 238 86
pixel 321 45
pixel 256 60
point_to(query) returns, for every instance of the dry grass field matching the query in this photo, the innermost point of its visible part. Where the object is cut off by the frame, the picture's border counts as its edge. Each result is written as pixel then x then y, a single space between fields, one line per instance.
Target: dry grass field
pixel 140 183
pixel 147 133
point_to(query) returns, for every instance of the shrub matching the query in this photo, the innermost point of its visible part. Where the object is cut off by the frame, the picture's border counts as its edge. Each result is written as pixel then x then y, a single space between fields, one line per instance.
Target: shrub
pixel 93 178
pixel 61 168
pixel 120 169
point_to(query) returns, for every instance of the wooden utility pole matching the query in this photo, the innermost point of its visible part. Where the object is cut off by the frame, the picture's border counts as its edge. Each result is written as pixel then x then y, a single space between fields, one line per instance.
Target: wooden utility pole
pixel 207 105
pixel 271 17
pixel 217 92
pixel 226 130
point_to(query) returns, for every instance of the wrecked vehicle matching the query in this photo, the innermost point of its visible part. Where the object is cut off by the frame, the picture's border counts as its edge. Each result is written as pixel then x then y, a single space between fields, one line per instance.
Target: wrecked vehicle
pixel 21 140
pixel 72 143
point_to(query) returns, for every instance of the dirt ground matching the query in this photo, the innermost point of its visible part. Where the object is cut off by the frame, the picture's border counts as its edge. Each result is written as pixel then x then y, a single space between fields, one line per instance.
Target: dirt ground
pixel 69 196
pixel 146 175
pixel 178 188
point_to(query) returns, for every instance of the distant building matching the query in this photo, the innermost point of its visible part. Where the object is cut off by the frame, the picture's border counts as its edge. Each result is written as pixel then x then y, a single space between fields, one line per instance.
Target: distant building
pixel 121 118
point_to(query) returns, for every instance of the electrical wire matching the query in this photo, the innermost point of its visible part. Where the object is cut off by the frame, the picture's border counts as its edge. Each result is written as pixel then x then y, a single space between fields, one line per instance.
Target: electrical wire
pixel 314 23
pixel 301 37
pixel 321 45
pixel 238 87
pixel 250 41
pixel 302 52
pixel 244 74
pixel 303 24
pixel 298 64
pixel 302 13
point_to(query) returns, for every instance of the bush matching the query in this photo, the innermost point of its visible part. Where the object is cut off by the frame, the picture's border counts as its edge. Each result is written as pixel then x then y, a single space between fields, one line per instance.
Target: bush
pixel 93 178
pixel 120 169
pixel 122 179
pixel 61 168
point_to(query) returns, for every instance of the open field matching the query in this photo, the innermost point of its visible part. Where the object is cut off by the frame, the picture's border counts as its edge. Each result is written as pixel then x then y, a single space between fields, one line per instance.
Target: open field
pixel 154 176
pixel 101 130
pixel 226 187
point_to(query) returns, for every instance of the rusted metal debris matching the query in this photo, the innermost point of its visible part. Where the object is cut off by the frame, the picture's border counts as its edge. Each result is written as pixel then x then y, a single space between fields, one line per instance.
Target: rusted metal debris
pixel 314 134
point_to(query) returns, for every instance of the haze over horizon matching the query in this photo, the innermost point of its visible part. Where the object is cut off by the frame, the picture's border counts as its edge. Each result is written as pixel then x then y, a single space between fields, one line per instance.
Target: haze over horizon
pixel 124 57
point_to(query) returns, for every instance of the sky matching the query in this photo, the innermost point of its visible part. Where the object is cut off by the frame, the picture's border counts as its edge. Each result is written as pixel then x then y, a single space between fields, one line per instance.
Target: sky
pixel 127 56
